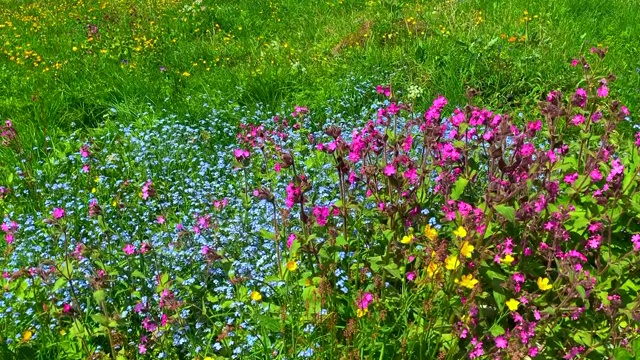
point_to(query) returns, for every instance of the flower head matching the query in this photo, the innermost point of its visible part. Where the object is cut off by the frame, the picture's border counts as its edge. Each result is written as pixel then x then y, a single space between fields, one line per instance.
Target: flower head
pixel 467 281
pixel 543 284
pixel 512 304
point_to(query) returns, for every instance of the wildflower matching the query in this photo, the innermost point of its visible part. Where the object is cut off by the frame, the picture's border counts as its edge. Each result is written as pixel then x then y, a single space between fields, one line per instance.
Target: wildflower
pixel 501 342
pixel 321 214
pixel 543 284
pixel 430 232
pixel 512 304
pixel 411 276
pixel 363 303
pixel 507 259
pixel 256 296
pixel 433 269
pixel 466 249
pixel 574 62
pixel 290 240
pixel 467 281
pixel 58 213
pixel 452 262
pixel 460 232
pixel 577 119
pixel 27 335
pixel 635 239
pixel 389 170
pixel 129 249
pixel 407 239
pixel 603 91
pixel 186 74
pixel 292 265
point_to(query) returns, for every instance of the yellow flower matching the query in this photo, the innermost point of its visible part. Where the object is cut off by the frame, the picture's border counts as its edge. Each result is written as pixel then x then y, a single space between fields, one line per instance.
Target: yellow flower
pixel 507 259
pixel 466 249
pixel 94 190
pixel 432 269
pixel 452 262
pixel 430 232
pixel 543 284
pixel 256 296
pixel 74 48
pixel 361 312
pixel 292 265
pixel 26 335
pixel 407 239
pixel 460 232
pixel 512 304
pixel 467 281
pixel 186 74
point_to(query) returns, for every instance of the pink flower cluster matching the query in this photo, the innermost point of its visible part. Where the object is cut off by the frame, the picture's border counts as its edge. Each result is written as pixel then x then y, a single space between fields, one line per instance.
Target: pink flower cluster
pixel 9 229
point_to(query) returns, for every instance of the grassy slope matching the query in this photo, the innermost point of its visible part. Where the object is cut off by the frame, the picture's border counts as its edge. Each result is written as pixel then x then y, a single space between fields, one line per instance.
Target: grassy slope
pixel 295 51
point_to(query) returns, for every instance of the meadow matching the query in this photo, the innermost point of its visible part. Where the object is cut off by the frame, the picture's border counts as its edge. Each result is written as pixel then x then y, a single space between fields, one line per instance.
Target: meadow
pixel 335 179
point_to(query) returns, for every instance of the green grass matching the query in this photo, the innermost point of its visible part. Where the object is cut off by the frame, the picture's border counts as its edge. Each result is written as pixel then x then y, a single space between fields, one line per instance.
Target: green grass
pixel 289 51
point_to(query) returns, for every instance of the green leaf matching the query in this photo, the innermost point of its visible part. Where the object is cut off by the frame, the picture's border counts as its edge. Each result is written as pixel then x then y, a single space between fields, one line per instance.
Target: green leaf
pixel 507 211
pixel 622 354
pixel 499 299
pixel 99 295
pixel 100 319
pixel 267 235
pixel 496 330
pixel 66 269
pixel 59 283
pixel 583 338
pixel 393 270
pixel 458 188
pixel 138 274
pixel 581 291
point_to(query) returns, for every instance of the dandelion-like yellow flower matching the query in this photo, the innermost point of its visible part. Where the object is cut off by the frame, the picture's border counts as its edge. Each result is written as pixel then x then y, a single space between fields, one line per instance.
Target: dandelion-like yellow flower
pixel 512 304
pixel 292 265
pixel 27 335
pixel 507 260
pixel 256 296
pixel 460 232
pixel 407 239
pixel 74 48
pixel 432 269
pixel 467 281
pixel 467 249
pixel 452 262
pixel 186 74
pixel 430 232
pixel 543 284
pixel 361 312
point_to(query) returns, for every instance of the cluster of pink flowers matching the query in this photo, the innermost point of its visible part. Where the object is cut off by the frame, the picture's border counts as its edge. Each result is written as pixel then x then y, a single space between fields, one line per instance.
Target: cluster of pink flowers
pixel 148 191
pixel 9 229
pixel 8 133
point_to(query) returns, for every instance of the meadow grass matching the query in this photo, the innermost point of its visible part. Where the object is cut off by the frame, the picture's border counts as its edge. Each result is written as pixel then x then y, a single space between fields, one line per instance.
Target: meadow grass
pixel 70 62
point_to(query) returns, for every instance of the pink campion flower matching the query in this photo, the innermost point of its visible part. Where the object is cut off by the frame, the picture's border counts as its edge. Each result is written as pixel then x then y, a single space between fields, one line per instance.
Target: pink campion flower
pixel 571 178
pixel 411 175
pixel 501 342
pixel 574 62
pixel 477 349
pixel 389 170
pixel 148 191
pixel 129 249
pixel 579 98
pixel 365 300
pixel 290 240
pixel 145 248
pixel 534 125
pixel 149 325
pixel 616 169
pixel 241 154
pixel 85 168
pixel 393 109
pixel 142 349
pixel 458 117
pixel 300 110
pixel 163 320
pixel 204 250
pixel 635 239
pixel 66 308
pixel 406 144
pixel 9 238
pixel 58 213
pixel 594 241
pixel 553 95
pixel 160 219
pixel 383 90
pixel 411 276
pixel 595 175
pixel 533 352
pixel 277 167
pixel 578 120
pixel 603 91
pixel 84 151
pixel 321 213
pixel 527 149
pixel 596 116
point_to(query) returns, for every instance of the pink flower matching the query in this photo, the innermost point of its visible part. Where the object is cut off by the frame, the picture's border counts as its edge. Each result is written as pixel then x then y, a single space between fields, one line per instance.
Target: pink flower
pixel 571 178
pixel 389 170
pixel 142 349
pixel 58 213
pixel 635 239
pixel 290 240
pixel 574 62
pixel 129 249
pixel 66 308
pixel 411 276
pixel 577 120
pixel 365 300
pixel 321 214
pixel 386 90
pixel 603 91
pixel 84 151
pixel 277 167
pixel 160 219
pixel 163 320
pixel 595 175
pixel 240 154
pixel 596 116
pixel 501 342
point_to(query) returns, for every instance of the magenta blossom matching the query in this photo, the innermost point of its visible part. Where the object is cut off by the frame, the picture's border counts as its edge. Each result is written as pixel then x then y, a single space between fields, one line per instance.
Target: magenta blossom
pixel 129 249
pixel 58 213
